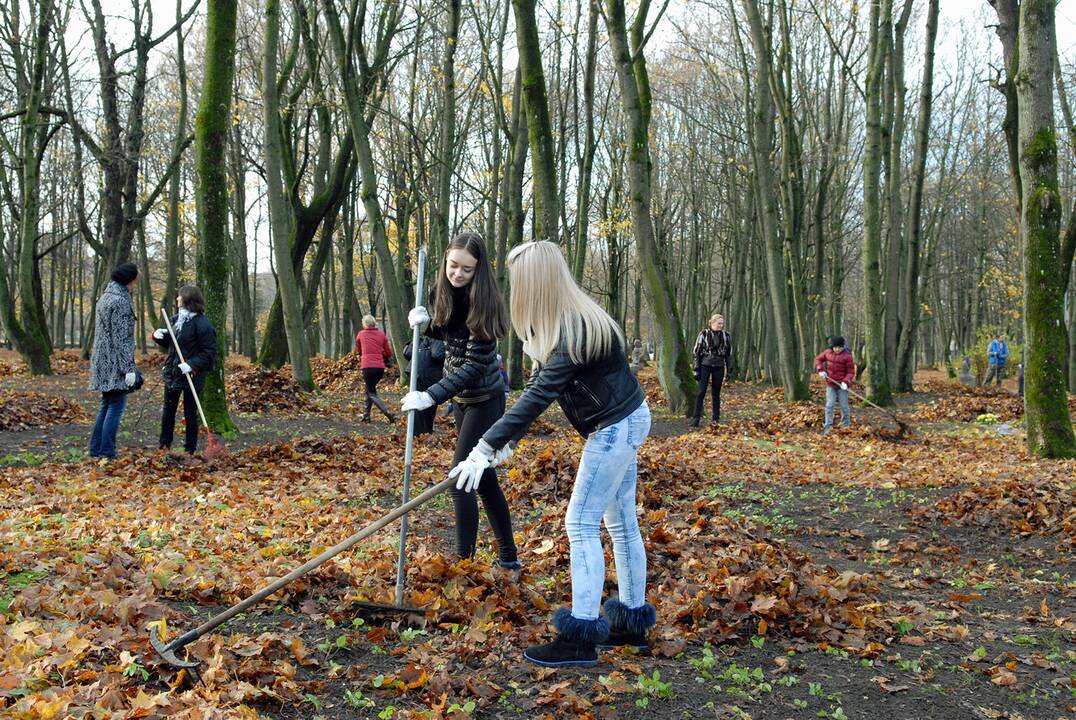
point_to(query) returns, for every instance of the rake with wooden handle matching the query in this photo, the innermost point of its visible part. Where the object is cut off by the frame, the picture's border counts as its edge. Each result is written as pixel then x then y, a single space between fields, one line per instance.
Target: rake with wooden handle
pixel 168 650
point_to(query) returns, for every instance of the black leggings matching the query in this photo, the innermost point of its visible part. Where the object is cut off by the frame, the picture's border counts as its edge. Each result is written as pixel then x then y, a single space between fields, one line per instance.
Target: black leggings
pixel 371 377
pixel 168 417
pixel 708 374
pixel 472 421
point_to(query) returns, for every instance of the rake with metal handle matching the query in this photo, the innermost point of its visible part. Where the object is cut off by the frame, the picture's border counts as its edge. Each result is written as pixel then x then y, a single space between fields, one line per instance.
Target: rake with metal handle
pixel 213 448
pixel 167 650
pixel 416 333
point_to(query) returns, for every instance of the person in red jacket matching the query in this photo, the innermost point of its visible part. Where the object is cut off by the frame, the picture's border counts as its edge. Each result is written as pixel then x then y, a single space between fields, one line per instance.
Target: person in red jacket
pixel 373 345
pixel 836 366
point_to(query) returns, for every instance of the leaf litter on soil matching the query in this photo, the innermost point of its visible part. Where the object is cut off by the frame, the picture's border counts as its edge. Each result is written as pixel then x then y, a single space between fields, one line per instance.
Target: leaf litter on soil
pixel 113 547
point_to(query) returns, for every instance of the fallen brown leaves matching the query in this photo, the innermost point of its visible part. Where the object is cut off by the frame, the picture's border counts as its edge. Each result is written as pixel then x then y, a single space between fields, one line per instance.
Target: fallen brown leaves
pixel 259 390
pixel 112 547
pixel 1025 505
pixel 22 410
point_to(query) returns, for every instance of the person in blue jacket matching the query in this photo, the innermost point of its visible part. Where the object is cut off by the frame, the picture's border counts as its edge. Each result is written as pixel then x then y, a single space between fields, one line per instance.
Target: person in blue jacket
pixel 998 353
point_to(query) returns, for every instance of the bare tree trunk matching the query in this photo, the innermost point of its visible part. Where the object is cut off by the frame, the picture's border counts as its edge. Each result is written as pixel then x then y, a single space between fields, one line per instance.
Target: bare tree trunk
pixel 674 365
pixel 283 223
pixel 539 126
pixel 874 306
pixel 590 147
pixel 912 311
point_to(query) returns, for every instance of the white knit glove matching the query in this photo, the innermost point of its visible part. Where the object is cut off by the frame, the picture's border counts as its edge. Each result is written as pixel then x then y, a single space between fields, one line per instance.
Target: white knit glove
pixel 417 317
pixel 159 334
pixel 184 368
pixel 416 400
pixel 129 378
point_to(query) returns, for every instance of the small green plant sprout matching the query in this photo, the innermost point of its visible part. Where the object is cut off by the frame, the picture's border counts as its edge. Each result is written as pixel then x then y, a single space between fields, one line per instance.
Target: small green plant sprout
pixel 758 641
pixel 357 700
pixel 466 708
pixel 357 623
pixel 904 627
pixel 387 713
pixel 409 634
pixel 652 687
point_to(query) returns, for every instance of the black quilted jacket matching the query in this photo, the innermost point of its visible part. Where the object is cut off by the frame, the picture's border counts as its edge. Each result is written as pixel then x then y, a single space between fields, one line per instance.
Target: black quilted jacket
pixel 472 372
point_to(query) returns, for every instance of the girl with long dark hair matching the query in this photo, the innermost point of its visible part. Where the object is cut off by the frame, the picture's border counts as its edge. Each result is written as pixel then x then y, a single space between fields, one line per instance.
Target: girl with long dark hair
pixel 469 316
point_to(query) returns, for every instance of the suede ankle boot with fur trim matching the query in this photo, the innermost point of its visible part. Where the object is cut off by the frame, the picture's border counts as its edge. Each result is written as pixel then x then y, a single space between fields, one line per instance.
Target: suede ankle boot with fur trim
pixel 628 626
pixel 576 643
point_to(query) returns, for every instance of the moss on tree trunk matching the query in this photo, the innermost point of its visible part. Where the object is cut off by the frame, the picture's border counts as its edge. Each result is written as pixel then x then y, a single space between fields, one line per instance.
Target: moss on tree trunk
pixel 211 195
pixel 1049 426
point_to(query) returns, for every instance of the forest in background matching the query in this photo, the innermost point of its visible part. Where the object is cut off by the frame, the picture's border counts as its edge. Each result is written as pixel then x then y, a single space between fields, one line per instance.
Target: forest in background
pixel 805 168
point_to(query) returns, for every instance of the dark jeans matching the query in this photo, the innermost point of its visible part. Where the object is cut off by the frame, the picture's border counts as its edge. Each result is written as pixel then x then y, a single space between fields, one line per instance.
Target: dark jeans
pixel 103 439
pixel 472 421
pixel 190 416
pixel 713 376
pixel 371 377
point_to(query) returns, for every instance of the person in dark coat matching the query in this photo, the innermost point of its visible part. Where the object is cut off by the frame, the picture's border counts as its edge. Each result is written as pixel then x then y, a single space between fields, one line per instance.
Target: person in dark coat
pixel 112 365
pixel 713 363
pixel 198 341
pixel 469 316
pixel 431 363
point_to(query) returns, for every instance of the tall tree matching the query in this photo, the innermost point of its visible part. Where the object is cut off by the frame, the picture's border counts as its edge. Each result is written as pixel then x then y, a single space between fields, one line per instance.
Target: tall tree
pixel 283 223
pixel 1049 426
pixel 539 125
pixel 27 328
pixel 909 331
pixel 879 28
pixel 788 367
pixel 674 364
pixel 211 126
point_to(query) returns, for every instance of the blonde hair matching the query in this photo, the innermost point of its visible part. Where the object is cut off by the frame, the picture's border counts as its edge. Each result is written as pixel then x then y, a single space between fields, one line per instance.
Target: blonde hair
pixel 548 307
pixel 369 321
pixel 716 316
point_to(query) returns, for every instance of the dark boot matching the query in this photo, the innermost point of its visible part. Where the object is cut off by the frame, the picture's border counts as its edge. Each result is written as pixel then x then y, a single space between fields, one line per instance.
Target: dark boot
pixel 383 408
pixel 628 626
pixel 576 643
pixel 366 410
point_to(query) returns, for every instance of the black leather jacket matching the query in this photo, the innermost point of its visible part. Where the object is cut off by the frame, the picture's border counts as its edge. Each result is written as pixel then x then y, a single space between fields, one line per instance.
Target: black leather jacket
pixel 593 395
pixel 472 373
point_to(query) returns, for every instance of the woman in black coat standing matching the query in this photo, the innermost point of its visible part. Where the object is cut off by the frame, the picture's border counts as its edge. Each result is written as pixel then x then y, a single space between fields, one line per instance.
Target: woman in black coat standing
pixel 713 361
pixel 198 341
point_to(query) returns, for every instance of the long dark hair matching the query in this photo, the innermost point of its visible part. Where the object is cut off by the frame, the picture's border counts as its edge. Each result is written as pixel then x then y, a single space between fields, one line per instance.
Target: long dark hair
pixel 192 298
pixel 486 317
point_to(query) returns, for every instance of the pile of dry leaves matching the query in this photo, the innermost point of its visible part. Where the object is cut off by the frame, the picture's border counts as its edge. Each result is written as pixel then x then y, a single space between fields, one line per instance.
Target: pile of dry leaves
pixel 22 410
pixel 258 390
pixel 1044 504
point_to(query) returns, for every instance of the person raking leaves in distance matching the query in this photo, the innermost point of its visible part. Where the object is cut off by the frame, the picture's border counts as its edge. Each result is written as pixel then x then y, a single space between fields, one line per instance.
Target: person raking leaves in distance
pixel 198 341
pixel 469 316
pixel 581 362
pixel 837 368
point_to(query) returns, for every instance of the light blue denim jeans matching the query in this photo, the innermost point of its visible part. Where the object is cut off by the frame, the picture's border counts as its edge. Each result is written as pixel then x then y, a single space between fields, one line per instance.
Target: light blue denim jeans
pixel 605 490
pixel 832 395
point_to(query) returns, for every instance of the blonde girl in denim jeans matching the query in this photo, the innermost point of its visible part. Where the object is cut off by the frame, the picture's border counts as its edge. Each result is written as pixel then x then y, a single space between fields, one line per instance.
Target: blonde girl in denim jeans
pixel 580 362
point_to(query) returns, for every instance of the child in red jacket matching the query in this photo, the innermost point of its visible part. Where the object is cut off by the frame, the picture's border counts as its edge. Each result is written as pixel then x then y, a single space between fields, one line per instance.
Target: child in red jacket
pixel 836 366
